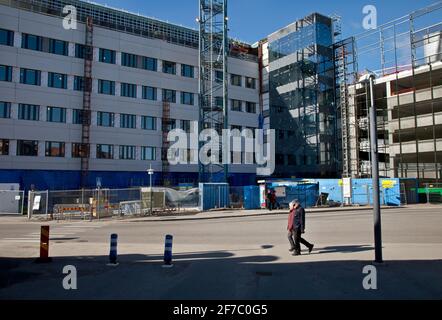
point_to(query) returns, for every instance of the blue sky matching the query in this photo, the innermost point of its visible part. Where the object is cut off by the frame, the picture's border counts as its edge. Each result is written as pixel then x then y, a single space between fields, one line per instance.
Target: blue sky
pixel 252 20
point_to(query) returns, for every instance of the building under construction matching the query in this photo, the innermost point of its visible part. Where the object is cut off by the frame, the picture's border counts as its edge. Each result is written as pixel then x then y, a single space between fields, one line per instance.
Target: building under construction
pixel 406 57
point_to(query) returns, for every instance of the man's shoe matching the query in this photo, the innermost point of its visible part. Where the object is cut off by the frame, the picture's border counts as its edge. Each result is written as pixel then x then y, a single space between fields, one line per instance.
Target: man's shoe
pixel 310 249
pixel 292 249
pixel 297 254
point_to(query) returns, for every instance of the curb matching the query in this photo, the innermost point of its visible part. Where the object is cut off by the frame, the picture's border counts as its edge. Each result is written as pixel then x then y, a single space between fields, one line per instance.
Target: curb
pixel 255 215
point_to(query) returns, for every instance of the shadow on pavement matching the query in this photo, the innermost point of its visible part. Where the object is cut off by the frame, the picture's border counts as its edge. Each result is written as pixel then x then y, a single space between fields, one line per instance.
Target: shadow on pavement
pixel 219 275
pixel 343 249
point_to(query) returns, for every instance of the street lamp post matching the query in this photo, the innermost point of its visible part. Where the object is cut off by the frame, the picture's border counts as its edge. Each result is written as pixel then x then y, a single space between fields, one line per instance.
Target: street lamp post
pixel 150 173
pixel 375 171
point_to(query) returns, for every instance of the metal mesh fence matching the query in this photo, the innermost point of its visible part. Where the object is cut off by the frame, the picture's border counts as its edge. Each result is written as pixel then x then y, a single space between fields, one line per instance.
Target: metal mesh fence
pixel 102 203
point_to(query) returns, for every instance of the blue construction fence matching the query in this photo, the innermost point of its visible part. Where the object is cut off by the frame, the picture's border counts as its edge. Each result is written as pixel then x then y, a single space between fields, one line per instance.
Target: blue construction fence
pixel 213 196
pixel 361 193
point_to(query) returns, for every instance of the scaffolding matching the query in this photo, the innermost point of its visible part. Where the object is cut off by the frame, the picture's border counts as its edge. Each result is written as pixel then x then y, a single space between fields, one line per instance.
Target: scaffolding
pixel 405 55
pixel 87 92
pixel 213 51
pixel 166 126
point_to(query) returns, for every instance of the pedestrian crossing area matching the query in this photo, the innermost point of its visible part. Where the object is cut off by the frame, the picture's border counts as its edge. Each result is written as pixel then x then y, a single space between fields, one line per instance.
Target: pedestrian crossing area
pixel 56 233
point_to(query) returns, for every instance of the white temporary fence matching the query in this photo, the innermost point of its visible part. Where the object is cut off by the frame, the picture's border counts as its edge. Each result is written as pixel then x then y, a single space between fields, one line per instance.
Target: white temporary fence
pixel 12 201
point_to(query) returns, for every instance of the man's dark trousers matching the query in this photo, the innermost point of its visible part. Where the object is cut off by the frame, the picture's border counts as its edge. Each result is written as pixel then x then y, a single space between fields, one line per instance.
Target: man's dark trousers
pixel 298 240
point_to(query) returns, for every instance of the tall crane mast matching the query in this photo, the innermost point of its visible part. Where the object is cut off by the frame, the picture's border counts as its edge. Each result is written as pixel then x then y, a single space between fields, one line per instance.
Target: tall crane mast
pixel 213 51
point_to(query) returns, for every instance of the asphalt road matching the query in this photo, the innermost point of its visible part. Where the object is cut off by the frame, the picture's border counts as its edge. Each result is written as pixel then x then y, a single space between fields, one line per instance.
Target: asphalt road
pixel 230 258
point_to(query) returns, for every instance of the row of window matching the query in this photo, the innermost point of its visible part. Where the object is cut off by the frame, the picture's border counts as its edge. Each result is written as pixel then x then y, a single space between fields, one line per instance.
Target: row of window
pixel 60 47
pixel 57 80
pixel 104 119
pixel 57 114
pixel 57 149
pixel 236 105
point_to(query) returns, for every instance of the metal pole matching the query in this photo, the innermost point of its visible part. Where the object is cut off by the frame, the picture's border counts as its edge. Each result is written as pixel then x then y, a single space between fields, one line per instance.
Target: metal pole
pixel 150 179
pixel 98 203
pixel 22 201
pixel 47 203
pixel 375 176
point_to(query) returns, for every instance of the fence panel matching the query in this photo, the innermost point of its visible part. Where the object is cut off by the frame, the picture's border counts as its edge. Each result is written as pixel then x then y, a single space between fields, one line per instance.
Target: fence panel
pixel 38 202
pixel 11 201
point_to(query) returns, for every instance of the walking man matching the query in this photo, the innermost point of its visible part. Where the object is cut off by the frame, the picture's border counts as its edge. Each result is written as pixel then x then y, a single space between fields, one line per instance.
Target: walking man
pixel 296 227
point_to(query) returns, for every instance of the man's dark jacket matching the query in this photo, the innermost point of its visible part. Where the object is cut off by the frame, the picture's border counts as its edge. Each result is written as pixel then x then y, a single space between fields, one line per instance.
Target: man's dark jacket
pixel 299 219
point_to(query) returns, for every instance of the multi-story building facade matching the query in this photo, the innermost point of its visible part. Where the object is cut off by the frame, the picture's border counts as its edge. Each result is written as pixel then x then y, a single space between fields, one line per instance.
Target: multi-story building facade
pixel 298 97
pixel 139 66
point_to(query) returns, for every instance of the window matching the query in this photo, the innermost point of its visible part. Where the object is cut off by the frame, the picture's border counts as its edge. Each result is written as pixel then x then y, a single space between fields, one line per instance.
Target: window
pixel 128 121
pixel 29 76
pixel 57 80
pixel 6 37
pixel 80 51
pixel 105 119
pixel 250 83
pixel 235 80
pixel 169 67
pixel 185 125
pixel 150 64
pixel 105 151
pixel 28 112
pixel 187 98
pixel 250 107
pixel 106 87
pixel 187 71
pixel 236 105
pixel 32 42
pixel 169 125
pixel 129 60
pixel 5 109
pixel 150 93
pixel 219 76
pixel 148 123
pixel 78 83
pixel 55 114
pixel 54 149
pixel 107 56
pixel 4 147
pixel 128 90
pixel 58 47
pixel 27 148
pixel 148 153
pixel 5 73
pixel 80 150
pixel 169 95
pixel 77 116
pixel 127 152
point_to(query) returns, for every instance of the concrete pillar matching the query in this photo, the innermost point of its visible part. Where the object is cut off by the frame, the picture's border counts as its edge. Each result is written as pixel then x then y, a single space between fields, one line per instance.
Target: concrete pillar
pixel 93 150
pixel 118 58
pixel 117 88
pixel 95 85
pixel 16 74
pixel 70 82
pixel 69 115
pixel 41 148
pixel 17 39
pixel 12 147
pixel 14 110
pixel 71 49
pixel 68 150
pixel 44 78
